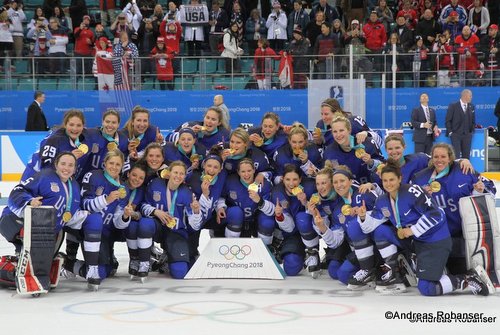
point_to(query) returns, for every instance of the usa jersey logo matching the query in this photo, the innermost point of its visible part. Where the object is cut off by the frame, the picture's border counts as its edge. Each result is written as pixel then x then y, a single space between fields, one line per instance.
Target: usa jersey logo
pixel 386 212
pixel 54 187
pixel 327 210
pixel 95 148
pixel 99 191
pixel 341 218
pixel 228 166
pixel 156 196
pixel 233 195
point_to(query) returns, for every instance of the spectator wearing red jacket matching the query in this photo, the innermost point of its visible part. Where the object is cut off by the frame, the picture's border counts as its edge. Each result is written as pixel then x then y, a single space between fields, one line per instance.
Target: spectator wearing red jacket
pixel 264 54
pixel 163 57
pixel 171 31
pixel 444 60
pixel 84 46
pixel 376 38
pixel 409 14
pixel 466 46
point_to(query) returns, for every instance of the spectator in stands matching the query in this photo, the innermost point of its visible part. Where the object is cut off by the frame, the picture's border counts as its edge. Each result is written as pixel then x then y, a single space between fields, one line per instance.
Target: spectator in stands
pixel 385 15
pixel 237 14
pixel 263 64
pixel 217 22
pixel 107 8
pixel 157 15
pixel 63 19
pixel 41 53
pixel 255 28
pixel 193 27
pixel 147 39
pixel 77 10
pixel 38 14
pixel 376 38
pixel 427 4
pixel 325 48
pixel 297 18
pixel 409 14
pixel 354 10
pixel 313 29
pixel 276 27
pixel 35 120
pixel 84 46
pixel 402 61
pixel 232 50
pixel 17 17
pixel 173 13
pixel 134 17
pixel 57 46
pixel 490 46
pixel 49 6
pixel 405 35
pixel 219 102
pixel 467 45
pixel 444 60
pixel 331 13
pixel 100 32
pixel 299 47
pixel 163 56
pixel 428 28
pixel 357 39
pixel 124 55
pixel 172 33
pixel 120 25
pixel 146 7
pixel 339 31
pixel 6 40
pixel 421 62
pixel 453 25
pixel 479 17
pixel 456 8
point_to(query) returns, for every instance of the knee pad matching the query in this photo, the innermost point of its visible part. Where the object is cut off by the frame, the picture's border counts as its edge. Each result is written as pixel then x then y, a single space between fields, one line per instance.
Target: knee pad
pixel 146 228
pixel 265 224
pixel 93 223
pixel 385 233
pixel 234 217
pixel 346 271
pixel 292 264
pixel 303 221
pixel 131 231
pixel 333 268
pixel 427 288
pixel 178 270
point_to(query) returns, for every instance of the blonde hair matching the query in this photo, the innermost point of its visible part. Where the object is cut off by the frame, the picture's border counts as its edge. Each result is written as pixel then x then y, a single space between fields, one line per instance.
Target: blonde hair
pixel 114 153
pixel 129 124
pixel 298 129
pixel 242 134
pixel 449 149
pixel 342 119
pixel 222 120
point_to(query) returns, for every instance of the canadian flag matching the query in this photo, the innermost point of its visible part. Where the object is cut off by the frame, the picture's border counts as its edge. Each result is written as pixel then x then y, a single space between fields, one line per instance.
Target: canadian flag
pixel 285 72
pixel 103 70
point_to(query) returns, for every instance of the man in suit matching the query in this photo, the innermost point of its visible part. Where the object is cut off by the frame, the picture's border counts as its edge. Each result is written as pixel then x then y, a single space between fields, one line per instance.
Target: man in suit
pixel 423 120
pixel 36 120
pixel 460 124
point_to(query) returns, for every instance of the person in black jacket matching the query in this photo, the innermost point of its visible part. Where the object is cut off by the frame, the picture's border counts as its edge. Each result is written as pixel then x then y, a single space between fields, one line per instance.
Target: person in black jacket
pixel 36 120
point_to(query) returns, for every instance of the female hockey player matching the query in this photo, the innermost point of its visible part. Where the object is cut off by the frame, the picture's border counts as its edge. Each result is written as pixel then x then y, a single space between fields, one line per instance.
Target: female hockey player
pixel 186 149
pixel 269 136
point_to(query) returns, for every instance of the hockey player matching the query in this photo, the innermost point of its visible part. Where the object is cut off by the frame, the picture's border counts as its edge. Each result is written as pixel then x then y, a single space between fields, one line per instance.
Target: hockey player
pixel 50 187
pixel 186 149
pixel 362 158
pixel 239 148
pixel 211 131
pixel 154 159
pixel 419 220
pixel 290 199
pixel 168 209
pixel 269 136
pixel 70 137
pixel 446 183
pixel 245 204
pixel 140 132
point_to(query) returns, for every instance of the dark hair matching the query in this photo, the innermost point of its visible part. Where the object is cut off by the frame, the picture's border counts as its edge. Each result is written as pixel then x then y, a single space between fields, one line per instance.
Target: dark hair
pixel 38 94
pixel 291 168
pixel 73 113
pixel 245 161
pixel 393 166
pixel 64 153
pixel 111 111
pixel 394 137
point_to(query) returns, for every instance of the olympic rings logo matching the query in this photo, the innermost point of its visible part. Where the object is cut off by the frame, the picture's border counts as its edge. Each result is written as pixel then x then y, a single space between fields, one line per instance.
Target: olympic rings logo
pixel 235 251
pixel 224 311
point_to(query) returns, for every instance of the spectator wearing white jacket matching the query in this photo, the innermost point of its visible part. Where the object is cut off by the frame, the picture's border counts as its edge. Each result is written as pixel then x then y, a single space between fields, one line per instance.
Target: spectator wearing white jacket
pixel 17 17
pixel 479 16
pixel 57 46
pixel 276 27
pixel 133 15
pixel 231 49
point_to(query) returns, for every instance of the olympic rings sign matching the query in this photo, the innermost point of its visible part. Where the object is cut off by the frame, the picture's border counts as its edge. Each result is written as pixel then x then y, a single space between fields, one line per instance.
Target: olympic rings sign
pixel 235 251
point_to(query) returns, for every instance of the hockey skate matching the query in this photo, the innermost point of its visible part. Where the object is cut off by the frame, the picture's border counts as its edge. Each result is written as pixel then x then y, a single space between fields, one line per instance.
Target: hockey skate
pixel 362 279
pixel 143 271
pixel 408 270
pixel 133 268
pixel 390 281
pixel 93 279
pixel 8 266
pixel 477 281
pixel 312 262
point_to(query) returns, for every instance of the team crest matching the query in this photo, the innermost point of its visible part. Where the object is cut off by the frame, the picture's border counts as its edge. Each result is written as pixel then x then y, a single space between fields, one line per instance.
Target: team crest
pixel 327 210
pixel 386 212
pixel 341 218
pixel 95 148
pixel 54 187
pixel 228 166
pixel 99 191
pixel 156 196
pixel 284 203
pixel 233 195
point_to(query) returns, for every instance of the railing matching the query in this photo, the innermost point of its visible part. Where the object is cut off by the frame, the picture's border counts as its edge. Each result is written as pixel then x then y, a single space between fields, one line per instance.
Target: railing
pixel 206 73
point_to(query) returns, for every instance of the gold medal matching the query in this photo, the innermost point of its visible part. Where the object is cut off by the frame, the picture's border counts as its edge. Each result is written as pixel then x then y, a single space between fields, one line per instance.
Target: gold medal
pixel 359 152
pixel 135 142
pixel 297 151
pixel 346 210
pixel 208 178
pixel 194 158
pixel 66 217
pixel 315 199
pixel 171 223
pixel 317 131
pixel 380 167
pixel 297 190
pixel 83 148
pixel 259 142
pixel 203 128
pixel 253 187
pixel 165 174
pixel 435 186
pixel 122 192
pixel 111 146
pixel 401 234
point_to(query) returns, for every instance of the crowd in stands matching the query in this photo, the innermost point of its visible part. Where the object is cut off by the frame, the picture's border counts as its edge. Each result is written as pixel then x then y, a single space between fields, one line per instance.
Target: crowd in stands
pixel 434 38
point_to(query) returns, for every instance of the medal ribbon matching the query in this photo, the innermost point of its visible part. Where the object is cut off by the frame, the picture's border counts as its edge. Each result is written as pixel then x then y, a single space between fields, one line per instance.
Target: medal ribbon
pixel 171 202
pixel 240 156
pixel 112 181
pixel 394 205
pixel 108 137
pixel 330 195
pixel 443 173
pixel 347 200
pixel 132 196
pixel 140 137
pixel 267 141
pixel 355 146
pixel 201 135
pixel 69 195
pixel 76 141
pixel 193 151
pixel 214 179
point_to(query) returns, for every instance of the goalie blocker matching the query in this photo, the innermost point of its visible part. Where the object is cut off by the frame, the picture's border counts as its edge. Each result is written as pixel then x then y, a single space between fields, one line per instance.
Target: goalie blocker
pixel 482 234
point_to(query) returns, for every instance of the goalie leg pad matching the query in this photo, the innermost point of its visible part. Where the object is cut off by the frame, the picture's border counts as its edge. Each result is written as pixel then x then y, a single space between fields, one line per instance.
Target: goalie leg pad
pixel 8 271
pixel 35 260
pixel 482 234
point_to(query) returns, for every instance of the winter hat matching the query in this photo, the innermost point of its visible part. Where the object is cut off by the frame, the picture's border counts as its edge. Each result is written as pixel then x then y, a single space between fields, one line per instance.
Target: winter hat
pixel 160 40
pixel 298 30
